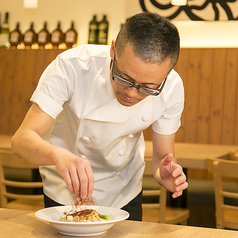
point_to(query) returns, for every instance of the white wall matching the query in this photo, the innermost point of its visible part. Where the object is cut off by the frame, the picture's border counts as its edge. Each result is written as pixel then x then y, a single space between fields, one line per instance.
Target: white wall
pixel 66 10
pixel 197 33
pixel 193 34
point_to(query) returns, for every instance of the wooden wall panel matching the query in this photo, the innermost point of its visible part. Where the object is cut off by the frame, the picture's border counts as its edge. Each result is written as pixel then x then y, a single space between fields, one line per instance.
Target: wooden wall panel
pixel 218 95
pixel 210 77
pixel 204 97
pixel 191 95
pixel 210 81
pixel 230 98
pixel 20 72
pixel 182 68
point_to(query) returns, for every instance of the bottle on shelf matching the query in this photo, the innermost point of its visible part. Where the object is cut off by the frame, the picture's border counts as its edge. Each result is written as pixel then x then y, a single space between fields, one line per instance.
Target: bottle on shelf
pixel 71 36
pixel 93 31
pixel 57 37
pixel 4 44
pixel 103 31
pixel 16 37
pixel 44 37
pixel 30 37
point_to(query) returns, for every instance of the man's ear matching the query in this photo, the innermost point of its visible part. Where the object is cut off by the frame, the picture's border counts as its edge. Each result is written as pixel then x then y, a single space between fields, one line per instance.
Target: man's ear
pixel 112 49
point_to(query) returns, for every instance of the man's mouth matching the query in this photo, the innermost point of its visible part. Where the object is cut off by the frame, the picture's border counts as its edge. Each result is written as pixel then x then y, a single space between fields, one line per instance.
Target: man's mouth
pixel 129 100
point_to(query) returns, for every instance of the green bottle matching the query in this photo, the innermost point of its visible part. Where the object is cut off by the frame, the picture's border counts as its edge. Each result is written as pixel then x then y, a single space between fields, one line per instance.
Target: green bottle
pixel 103 31
pixel 4 44
pixel 93 31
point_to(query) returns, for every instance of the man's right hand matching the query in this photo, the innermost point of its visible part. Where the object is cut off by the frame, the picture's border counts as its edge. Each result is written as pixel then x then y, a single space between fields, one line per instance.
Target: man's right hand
pixel 76 172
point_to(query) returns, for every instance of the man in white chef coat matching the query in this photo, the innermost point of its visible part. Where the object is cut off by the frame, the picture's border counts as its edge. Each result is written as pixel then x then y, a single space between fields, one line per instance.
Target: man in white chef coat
pixel 89 109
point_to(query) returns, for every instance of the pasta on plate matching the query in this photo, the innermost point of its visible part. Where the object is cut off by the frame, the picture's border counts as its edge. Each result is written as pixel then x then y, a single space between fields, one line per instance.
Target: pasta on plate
pixel 87 215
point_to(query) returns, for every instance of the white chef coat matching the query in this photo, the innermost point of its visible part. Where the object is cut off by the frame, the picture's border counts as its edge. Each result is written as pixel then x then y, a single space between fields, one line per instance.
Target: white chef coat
pixel 75 89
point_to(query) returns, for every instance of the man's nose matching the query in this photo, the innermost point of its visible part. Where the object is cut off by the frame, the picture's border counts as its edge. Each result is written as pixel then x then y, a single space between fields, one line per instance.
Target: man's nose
pixel 132 91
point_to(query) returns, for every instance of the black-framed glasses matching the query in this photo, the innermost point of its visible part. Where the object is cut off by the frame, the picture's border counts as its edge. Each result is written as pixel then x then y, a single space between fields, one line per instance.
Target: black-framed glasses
pixel 129 84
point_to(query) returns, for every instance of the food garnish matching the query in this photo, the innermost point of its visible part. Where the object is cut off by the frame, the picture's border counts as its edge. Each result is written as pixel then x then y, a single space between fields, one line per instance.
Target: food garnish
pixel 80 212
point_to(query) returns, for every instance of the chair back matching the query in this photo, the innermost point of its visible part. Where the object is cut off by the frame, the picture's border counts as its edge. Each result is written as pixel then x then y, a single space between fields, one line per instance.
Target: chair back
pixel 160 193
pixel 14 193
pixel 223 170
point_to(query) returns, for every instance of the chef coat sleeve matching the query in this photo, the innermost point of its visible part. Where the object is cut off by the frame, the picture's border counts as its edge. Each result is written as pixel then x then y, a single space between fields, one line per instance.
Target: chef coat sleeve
pixel 55 87
pixel 170 120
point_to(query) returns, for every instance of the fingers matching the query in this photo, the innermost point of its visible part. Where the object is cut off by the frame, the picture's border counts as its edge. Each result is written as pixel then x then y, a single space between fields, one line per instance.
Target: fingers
pixel 179 190
pixel 84 180
pixel 89 173
pixel 67 178
pixel 172 176
pixel 177 171
pixel 79 178
pixel 180 183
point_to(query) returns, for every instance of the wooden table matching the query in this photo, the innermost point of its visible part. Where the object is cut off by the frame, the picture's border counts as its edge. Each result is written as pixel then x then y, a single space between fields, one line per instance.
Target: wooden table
pixel 194 156
pixel 24 224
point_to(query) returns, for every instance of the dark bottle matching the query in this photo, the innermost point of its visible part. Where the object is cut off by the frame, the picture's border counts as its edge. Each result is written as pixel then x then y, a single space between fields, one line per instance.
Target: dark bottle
pixel 44 37
pixel 93 31
pixel 71 36
pixel 103 31
pixel 30 37
pixel 16 37
pixel 57 37
pixel 4 43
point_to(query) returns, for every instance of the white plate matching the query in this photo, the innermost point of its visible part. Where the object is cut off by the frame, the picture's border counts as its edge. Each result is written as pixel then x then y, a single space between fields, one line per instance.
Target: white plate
pixel 52 215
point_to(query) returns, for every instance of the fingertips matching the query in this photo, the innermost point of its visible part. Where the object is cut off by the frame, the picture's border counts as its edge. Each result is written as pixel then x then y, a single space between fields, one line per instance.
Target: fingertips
pixel 177 194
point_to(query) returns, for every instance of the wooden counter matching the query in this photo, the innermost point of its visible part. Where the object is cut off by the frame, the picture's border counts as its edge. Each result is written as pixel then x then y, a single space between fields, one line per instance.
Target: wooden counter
pixel 22 224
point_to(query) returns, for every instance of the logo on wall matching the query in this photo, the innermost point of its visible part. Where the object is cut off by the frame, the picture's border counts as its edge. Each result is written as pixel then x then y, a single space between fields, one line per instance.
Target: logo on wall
pixel 195 10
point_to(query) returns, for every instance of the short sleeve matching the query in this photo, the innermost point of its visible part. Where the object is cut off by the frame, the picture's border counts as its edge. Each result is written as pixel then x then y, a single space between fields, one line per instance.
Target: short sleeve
pixel 55 87
pixel 170 121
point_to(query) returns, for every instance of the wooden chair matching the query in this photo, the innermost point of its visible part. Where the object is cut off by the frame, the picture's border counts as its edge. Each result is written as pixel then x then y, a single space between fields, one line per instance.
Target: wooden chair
pixel 226 214
pixel 15 194
pixel 158 211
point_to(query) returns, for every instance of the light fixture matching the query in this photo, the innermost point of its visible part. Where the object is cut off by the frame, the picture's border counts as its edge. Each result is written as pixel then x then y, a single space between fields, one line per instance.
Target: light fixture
pixel 30 3
pixel 179 2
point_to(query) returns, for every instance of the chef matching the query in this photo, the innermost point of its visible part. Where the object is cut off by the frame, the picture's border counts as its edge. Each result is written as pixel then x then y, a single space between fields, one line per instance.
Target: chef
pixel 89 109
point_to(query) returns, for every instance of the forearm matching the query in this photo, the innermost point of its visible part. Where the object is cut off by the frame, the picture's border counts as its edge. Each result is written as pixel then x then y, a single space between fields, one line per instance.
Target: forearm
pixel 162 146
pixel 30 146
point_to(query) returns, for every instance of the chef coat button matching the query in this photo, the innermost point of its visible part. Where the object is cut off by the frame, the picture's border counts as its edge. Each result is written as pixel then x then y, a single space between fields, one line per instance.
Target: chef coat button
pixel 103 81
pixel 130 136
pixel 85 138
pixel 83 156
pixel 144 118
pixel 121 153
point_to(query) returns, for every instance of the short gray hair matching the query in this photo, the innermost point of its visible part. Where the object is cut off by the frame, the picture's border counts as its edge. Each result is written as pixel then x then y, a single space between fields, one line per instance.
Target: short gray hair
pixel 153 38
